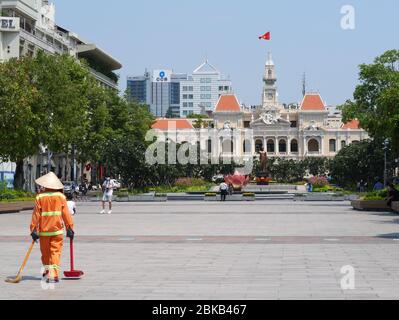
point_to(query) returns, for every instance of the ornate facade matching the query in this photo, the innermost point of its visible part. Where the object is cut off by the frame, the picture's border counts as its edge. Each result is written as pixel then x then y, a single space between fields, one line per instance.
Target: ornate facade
pixel 295 131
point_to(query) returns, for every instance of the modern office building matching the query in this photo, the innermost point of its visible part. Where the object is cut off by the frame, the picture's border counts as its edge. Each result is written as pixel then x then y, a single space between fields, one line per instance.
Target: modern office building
pixel 27 26
pixel 201 91
pixel 179 95
pixel 160 90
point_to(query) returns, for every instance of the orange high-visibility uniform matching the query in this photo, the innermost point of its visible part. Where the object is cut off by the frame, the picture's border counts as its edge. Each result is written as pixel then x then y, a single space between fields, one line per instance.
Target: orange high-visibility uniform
pixel 49 218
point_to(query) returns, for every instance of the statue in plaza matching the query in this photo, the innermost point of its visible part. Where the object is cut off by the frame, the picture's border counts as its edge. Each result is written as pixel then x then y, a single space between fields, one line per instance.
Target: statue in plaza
pixel 263 160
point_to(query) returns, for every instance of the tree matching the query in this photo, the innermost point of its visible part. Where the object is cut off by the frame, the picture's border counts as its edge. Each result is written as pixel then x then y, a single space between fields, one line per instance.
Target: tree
pixel 169 114
pixel 376 99
pixel 199 120
pixel 359 161
pixel 44 101
pixel 20 114
pixel 125 148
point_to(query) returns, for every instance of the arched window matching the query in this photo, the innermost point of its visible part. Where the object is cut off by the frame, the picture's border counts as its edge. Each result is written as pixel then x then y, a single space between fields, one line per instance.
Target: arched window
pixel 258 145
pixel 333 145
pixel 247 146
pixel 228 146
pixel 282 146
pixel 343 144
pixel 271 147
pixel 313 146
pixel 294 146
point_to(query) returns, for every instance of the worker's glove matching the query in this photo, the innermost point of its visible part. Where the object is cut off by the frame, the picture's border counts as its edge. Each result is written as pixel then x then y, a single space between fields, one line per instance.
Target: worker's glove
pixel 70 234
pixel 35 236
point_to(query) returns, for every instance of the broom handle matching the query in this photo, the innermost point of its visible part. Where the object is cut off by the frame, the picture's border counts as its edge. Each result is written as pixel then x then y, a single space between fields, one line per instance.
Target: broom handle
pixel 71 253
pixel 26 258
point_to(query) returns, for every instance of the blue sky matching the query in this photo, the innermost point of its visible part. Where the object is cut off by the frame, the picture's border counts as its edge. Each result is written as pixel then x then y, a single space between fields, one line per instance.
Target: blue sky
pixel 179 34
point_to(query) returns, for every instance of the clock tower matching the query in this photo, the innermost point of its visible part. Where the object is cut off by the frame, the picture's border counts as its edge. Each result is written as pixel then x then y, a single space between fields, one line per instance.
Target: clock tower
pixel 270 95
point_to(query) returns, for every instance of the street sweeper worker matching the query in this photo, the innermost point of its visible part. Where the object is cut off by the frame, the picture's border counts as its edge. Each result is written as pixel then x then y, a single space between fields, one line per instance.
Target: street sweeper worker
pixel 50 217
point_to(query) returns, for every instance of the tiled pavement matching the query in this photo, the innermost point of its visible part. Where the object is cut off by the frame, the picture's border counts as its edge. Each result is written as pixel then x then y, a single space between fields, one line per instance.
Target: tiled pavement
pixel 196 250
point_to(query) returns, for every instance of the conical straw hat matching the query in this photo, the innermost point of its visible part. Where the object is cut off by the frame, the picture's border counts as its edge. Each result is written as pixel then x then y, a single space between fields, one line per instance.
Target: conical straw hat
pixel 50 181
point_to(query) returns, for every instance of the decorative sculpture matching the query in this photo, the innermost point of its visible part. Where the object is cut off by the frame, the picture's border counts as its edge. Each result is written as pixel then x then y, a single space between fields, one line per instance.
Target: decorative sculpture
pixel 238 181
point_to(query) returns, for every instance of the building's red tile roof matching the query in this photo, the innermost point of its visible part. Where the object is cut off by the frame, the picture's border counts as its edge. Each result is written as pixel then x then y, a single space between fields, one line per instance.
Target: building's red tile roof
pixel 354 125
pixel 228 103
pixel 171 124
pixel 313 102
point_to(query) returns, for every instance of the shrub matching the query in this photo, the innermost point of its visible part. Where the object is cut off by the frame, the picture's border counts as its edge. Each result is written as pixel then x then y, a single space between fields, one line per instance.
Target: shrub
pixel 189 182
pixel 161 195
pixel 373 198
pixel 319 182
pixel 10 194
pixel 249 194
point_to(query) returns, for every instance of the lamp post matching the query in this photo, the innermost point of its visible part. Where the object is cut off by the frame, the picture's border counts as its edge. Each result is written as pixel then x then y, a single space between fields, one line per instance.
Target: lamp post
pixel 386 148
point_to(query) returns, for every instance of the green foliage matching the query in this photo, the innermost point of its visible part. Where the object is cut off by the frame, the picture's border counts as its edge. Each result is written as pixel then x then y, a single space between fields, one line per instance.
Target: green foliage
pixel 373 198
pixel 249 194
pixel 358 161
pixel 211 194
pixel 376 99
pixel 9 194
pixel 327 189
pixel 199 120
pixel 291 171
pixel 52 101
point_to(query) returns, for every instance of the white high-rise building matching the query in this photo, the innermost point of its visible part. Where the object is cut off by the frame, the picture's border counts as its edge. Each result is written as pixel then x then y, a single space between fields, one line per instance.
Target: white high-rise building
pixel 26 27
pixel 202 90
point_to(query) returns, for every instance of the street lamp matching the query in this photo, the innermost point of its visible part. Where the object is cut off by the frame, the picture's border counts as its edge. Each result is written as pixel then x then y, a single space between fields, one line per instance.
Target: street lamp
pixel 386 148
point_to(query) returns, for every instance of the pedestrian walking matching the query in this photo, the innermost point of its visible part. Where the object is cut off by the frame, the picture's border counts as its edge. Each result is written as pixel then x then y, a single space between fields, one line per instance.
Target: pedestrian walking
pixel 224 189
pixel 84 188
pixel 71 204
pixel 50 217
pixel 108 191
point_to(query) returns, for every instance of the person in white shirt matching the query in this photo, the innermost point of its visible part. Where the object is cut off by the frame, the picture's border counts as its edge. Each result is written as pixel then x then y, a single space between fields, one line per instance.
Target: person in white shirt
pixel 71 204
pixel 108 189
pixel 224 190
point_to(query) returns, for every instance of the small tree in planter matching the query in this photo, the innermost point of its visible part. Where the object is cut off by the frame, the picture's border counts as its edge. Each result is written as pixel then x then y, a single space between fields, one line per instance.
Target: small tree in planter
pixel 249 196
pixel 210 196
pixel 161 197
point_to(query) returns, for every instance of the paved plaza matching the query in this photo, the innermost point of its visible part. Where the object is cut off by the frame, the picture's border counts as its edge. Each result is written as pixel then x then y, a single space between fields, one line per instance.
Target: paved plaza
pixel 197 250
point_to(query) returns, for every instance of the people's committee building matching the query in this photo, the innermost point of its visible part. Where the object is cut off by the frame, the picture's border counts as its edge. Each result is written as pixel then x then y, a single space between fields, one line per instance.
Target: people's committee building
pixel 308 129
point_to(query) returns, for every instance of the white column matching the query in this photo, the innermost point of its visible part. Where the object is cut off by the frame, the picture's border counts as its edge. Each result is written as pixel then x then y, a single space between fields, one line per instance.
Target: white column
pixel 305 147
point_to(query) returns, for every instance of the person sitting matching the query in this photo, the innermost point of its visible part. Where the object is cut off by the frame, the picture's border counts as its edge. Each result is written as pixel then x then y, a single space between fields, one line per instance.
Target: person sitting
pixel 393 195
pixel 379 186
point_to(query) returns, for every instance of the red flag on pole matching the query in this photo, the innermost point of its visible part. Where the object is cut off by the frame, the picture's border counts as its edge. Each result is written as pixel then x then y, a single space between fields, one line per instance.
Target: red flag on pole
pixel 266 36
